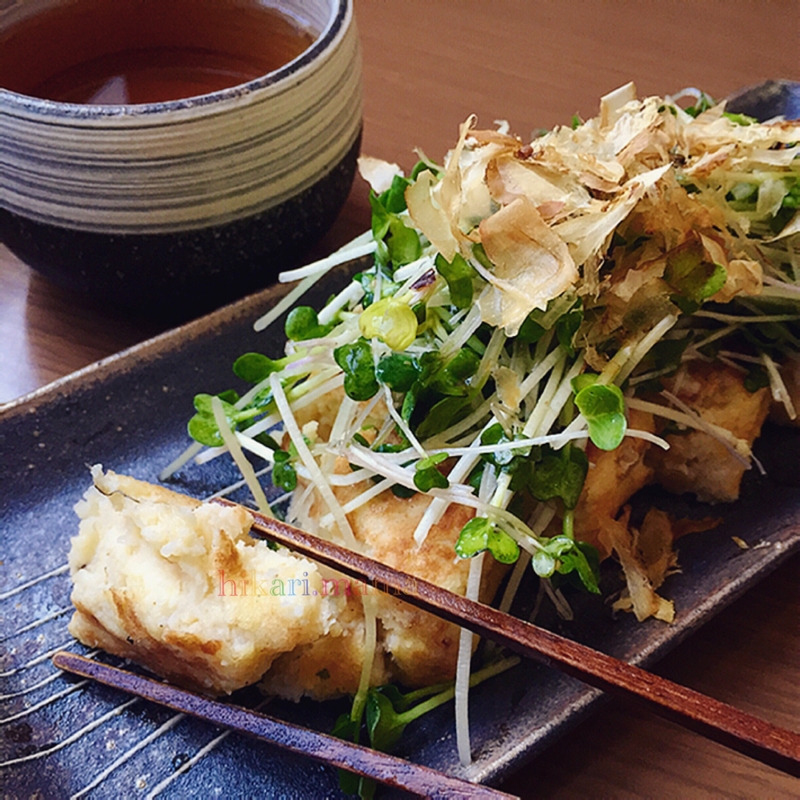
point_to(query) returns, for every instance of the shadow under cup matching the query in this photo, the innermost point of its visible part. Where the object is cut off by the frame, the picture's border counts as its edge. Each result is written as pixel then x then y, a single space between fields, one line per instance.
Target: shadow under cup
pixel 173 208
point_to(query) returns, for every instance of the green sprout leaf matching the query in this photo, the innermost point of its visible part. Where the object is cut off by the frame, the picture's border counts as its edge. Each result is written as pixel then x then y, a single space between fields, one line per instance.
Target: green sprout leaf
pixel 368 280
pixel 479 254
pixel 398 372
pixel 689 274
pixel 255 367
pixel 559 475
pixel 427 476
pixel 583 380
pixel 703 103
pixel 566 328
pixel 757 378
pixel 564 556
pixel 403 243
pixel 604 410
pixel 451 379
pixel 458 274
pixel 284 475
pixel 389 712
pixel 303 323
pixel 381 218
pixel 739 119
pixel 359 369
pixel 394 198
pixel 442 415
pixel 479 534
pixel 584 560
pixel 544 565
pixel 397 243
pixel 530 331
pixel 202 426
pixel 496 435
pixel 384 725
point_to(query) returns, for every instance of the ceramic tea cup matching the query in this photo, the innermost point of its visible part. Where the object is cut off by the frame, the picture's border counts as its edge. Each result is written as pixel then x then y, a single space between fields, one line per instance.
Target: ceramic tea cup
pixel 175 206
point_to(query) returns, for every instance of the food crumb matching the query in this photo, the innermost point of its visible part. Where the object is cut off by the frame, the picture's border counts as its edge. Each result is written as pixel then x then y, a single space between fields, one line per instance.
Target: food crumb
pixel 740 543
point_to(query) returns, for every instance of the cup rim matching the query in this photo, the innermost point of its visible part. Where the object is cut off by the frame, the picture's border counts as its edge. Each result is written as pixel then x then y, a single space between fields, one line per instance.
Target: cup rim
pixel 322 43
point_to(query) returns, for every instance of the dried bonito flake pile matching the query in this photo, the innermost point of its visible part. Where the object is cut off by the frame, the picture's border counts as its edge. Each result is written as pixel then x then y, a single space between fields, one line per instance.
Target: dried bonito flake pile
pixel 548 327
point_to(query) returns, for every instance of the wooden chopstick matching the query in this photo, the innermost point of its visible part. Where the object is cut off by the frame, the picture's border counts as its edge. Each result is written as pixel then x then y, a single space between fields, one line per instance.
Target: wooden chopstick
pixel 386 769
pixel 754 737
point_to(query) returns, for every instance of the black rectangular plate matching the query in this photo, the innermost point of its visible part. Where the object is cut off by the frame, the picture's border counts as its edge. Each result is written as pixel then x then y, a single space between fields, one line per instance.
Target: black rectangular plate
pixel 59 737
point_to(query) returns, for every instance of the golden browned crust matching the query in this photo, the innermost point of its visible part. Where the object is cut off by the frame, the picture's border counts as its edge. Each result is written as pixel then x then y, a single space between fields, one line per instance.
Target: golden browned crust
pixel 414 647
pixel 697 462
pixel 614 477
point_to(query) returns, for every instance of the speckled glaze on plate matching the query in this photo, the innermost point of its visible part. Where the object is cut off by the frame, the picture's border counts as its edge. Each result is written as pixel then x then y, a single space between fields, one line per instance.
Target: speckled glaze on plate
pixel 62 737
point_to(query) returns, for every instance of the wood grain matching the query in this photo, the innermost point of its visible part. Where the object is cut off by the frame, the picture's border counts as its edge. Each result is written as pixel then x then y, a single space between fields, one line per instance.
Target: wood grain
pixel 420 781
pixel 721 722
pixel 427 65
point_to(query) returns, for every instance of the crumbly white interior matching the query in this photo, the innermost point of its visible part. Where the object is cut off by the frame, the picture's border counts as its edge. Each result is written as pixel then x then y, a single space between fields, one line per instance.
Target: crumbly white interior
pixel 182 588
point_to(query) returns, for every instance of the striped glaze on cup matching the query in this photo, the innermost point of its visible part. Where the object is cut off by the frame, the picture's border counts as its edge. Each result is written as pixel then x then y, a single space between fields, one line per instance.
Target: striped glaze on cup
pixel 176 207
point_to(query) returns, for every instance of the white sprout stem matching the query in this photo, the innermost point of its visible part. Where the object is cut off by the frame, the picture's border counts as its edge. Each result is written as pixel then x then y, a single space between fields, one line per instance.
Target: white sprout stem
pixel 187 455
pixel 245 467
pixel 731 446
pixel 263 322
pixel 352 293
pixel 502 493
pixel 489 359
pixel 462 668
pixel 230 488
pixel 362 417
pixel 459 337
pixel 344 418
pixel 648 437
pixel 552 439
pixel 644 346
pixel 738 447
pixel 411 276
pixel 460 427
pixel 370 644
pixel 402 424
pixel 559 601
pixel 261 450
pixel 561 397
pixel 264 424
pixel 538 373
pixel 648 376
pixel 433 513
pixel 383 433
pixel 778 388
pixel 719 334
pixel 551 387
pixel 731 363
pixel 321 482
pixel 740 357
pixel 781 292
pixel 361 499
pixel 267 454
pixel 791 288
pixel 362 245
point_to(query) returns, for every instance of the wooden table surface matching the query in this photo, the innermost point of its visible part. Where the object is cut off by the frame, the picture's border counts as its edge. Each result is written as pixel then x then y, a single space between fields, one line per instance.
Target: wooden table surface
pixel 428 64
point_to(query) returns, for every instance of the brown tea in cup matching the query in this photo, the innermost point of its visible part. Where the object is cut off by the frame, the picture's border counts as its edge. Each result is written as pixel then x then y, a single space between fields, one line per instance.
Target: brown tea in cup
pixel 145 51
